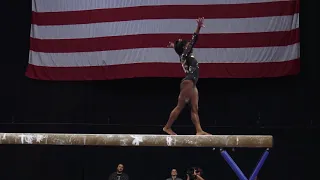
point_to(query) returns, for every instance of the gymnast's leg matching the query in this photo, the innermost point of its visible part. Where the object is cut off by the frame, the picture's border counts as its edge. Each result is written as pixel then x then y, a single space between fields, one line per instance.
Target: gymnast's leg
pixel 184 97
pixel 194 113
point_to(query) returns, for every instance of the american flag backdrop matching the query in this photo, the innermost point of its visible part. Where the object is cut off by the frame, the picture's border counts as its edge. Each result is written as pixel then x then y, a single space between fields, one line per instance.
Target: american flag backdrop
pixel 112 39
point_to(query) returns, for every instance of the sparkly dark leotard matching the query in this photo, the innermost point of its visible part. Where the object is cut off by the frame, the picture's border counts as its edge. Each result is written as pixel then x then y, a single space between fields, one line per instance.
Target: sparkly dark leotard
pixel 189 63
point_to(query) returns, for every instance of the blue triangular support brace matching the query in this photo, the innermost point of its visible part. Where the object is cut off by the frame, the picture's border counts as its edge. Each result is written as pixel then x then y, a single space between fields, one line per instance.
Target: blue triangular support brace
pixel 238 171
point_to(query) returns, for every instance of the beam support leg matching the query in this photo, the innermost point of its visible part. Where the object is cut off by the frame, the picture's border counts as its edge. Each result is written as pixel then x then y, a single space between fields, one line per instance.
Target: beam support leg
pixel 233 165
pixel 259 165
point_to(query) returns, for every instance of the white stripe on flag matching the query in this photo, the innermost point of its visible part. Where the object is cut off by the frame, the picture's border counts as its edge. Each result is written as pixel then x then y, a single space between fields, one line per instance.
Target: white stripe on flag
pixel 166 26
pixel 165 55
pixel 78 5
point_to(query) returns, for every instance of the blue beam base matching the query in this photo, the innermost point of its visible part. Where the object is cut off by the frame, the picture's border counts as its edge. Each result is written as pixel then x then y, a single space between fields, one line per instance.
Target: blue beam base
pixel 236 168
pixel 259 165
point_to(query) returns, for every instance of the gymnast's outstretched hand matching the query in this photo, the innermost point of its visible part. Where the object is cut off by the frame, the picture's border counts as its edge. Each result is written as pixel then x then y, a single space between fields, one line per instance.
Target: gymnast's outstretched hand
pixel 200 22
pixel 170 45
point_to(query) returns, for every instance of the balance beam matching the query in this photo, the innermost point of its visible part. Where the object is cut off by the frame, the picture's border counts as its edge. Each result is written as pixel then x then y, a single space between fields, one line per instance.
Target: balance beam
pixel 221 141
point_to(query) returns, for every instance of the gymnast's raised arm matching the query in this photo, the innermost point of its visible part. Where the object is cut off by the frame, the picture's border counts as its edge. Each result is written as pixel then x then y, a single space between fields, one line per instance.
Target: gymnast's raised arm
pixel 194 39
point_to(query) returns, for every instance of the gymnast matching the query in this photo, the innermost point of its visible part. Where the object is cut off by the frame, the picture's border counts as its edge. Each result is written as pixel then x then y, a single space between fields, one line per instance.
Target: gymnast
pixel 188 89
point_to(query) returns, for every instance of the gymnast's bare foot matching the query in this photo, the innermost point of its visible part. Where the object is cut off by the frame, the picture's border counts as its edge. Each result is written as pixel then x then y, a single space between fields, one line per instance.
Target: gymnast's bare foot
pixel 203 133
pixel 169 131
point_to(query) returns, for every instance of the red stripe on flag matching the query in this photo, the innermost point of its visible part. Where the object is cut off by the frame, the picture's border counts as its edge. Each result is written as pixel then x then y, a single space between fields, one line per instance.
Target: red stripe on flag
pixel 207 70
pixel 167 12
pixel 236 40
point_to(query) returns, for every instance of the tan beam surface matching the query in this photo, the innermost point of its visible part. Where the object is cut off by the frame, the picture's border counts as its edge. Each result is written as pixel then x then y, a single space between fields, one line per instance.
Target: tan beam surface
pixel 249 141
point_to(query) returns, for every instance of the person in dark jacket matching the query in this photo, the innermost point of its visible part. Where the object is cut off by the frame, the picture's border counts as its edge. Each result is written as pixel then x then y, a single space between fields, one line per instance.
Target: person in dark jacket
pixel 174 175
pixel 119 174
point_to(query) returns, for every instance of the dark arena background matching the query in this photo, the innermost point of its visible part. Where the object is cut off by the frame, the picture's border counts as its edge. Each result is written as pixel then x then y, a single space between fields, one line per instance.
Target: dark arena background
pixel 283 107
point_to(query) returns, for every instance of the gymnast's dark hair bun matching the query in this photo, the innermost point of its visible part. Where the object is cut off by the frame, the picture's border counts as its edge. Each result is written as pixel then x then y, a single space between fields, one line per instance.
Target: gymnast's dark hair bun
pixel 179 46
